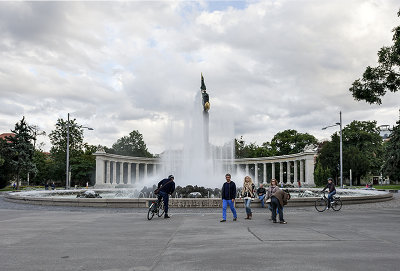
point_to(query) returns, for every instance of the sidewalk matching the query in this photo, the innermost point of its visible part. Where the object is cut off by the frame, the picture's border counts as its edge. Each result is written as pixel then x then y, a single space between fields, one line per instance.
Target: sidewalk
pixel 80 239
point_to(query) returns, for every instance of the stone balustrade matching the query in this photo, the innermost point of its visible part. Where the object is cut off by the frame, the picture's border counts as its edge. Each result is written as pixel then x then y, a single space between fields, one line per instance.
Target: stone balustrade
pixel 116 170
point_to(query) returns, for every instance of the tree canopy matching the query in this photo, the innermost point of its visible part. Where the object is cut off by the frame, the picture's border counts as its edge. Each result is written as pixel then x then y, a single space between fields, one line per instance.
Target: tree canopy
pixel 385 77
pixel 391 166
pixel 131 145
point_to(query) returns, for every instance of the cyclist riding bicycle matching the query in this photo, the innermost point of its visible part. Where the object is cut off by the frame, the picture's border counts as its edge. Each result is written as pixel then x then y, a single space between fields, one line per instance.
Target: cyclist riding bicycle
pixel 166 187
pixel 331 189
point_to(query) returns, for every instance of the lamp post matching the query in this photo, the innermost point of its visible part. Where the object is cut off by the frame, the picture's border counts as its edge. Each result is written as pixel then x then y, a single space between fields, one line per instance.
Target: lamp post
pixel 67 180
pixel 341 147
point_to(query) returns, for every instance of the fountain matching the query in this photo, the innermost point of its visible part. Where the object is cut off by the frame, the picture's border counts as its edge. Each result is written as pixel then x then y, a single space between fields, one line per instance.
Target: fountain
pixel 206 155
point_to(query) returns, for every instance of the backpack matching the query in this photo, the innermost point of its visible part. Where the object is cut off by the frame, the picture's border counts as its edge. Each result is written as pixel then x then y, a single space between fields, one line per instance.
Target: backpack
pixel 286 197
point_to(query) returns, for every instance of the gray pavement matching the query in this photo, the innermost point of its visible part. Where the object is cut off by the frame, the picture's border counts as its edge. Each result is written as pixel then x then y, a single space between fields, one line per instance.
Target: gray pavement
pixel 359 237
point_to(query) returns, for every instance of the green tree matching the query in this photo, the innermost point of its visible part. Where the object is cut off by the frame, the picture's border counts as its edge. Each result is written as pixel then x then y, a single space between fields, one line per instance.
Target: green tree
pixel 385 77
pixel 82 163
pixel 132 145
pixel 290 142
pixel 5 167
pixel 391 165
pixel 362 151
pixel 21 150
pixel 321 174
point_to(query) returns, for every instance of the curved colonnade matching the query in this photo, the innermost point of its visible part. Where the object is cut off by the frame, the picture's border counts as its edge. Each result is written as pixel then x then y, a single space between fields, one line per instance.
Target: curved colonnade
pixel 118 171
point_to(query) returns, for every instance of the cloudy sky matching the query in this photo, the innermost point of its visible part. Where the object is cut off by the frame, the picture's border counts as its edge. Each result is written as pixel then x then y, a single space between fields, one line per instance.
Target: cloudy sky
pixel 123 66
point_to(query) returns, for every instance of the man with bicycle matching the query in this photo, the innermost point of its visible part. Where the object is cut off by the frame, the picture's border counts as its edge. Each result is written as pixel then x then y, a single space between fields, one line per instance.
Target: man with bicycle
pixel 331 189
pixel 165 188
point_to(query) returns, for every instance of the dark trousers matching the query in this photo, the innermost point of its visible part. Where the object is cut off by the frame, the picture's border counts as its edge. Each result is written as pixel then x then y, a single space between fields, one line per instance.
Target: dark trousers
pixel 276 205
pixel 165 198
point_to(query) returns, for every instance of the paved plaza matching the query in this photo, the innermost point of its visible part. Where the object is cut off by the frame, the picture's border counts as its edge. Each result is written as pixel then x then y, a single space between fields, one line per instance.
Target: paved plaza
pixel 359 237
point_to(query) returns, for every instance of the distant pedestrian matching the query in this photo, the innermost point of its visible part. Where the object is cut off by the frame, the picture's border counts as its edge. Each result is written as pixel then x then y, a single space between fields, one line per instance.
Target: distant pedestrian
pixel 277 201
pixel 248 195
pixel 261 194
pixel 46 186
pixel 271 189
pixel 14 185
pixel 228 194
pixel 53 186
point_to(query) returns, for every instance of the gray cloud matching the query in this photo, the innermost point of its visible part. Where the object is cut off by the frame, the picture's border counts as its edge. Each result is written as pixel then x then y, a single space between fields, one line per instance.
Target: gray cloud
pixel 269 66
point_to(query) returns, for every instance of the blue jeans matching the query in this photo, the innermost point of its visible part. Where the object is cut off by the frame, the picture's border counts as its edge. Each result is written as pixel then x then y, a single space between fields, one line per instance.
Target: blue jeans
pixel 226 202
pixel 247 203
pixel 165 198
pixel 262 201
pixel 330 197
pixel 276 206
pixel 270 208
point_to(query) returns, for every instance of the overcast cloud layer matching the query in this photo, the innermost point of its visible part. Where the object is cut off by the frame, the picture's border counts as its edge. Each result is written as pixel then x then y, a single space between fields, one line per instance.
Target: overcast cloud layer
pixel 116 67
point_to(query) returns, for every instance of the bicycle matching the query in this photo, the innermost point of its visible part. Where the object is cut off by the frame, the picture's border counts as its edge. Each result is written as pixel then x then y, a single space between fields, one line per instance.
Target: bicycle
pixel 321 204
pixel 156 207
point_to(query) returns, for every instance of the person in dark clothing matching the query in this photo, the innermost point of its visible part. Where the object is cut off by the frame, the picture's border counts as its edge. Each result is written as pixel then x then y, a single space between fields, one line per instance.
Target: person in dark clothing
pixel 277 203
pixel 228 194
pixel 261 195
pixel 331 189
pixel 166 187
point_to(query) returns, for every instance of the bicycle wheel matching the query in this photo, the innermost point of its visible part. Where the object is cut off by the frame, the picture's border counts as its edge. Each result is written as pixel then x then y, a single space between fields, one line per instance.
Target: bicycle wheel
pixel 150 213
pixel 321 204
pixel 336 205
pixel 160 210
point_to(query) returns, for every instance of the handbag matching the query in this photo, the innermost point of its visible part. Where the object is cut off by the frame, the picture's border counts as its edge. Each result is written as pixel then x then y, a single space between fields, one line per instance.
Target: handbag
pixel 268 200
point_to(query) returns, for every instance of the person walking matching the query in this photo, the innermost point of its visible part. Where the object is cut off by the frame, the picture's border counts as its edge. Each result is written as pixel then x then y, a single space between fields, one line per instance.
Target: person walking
pixel 248 195
pixel 228 194
pixel 166 187
pixel 277 199
pixel 261 194
pixel 331 189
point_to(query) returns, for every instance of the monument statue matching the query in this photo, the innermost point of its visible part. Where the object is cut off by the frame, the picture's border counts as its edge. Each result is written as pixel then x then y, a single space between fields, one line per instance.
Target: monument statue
pixel 206 98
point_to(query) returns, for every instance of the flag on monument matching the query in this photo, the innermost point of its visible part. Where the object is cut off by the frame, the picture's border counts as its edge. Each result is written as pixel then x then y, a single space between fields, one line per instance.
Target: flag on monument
pixel 203 86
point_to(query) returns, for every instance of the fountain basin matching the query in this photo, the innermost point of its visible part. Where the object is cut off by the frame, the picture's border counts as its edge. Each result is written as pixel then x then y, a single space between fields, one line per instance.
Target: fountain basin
pixel 68 198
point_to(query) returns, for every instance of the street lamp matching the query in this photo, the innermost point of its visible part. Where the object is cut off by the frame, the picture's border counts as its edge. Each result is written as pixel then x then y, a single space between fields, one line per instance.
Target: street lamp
pixel 67 184
pixel 341 147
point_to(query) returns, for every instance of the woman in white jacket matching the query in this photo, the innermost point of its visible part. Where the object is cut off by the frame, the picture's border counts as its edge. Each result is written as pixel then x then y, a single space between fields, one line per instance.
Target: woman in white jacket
pixel 248 195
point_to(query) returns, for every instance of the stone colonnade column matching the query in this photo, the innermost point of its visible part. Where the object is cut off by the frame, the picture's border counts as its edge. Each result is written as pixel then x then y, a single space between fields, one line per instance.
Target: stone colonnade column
pixel 129 178
pixel 256 173
pixel 301 171
pixel 295 172
pixel 137 173
pixel 288 172
pixel 264 173
pixel 309 170
pixel 280 172
pixel 121 173
pixel 100 171
pixel 247 169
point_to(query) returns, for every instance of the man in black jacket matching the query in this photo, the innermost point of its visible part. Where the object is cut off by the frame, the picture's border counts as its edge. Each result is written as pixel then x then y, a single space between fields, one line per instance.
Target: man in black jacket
pixel 166 188
pixel 332 191
pixel 228 197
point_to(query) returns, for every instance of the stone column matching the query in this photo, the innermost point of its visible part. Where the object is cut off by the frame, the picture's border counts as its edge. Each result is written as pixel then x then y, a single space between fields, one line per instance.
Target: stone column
pixel 100 171
pixel 273 170
pixel 301 171
pixel 288 172
pixel 256 173
pixel 295 172
pixel 280 172
pixel 114 173
pixel 264 173
pixel 129 181
pixel 247 169
pixel 309 170
pixel 145 171
pixel 137 173
pixel 108 172
pixel 121 173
